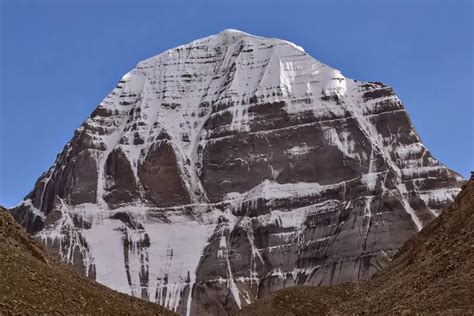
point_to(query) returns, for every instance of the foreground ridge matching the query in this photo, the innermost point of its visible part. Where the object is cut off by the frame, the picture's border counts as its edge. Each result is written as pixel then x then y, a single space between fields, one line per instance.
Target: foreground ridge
pixel 228 168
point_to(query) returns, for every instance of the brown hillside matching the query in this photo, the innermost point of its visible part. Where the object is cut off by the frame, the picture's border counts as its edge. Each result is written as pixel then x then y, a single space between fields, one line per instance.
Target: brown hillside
pixel 32 282
pixel 432 273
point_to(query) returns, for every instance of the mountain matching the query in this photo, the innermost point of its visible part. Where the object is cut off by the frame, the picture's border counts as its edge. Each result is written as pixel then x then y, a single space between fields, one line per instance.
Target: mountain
pixel 432 274
pixel 223 170
pixel 31 282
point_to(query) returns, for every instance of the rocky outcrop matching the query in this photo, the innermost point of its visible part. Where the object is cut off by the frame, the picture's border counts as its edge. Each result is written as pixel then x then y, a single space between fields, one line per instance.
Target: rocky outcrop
pixel 228 168
pixel 121 186
pixel 160 176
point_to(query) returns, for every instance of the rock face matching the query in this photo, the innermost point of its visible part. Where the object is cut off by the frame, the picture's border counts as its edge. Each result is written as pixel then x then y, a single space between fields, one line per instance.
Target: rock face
pixel 430 275
pixel 231 167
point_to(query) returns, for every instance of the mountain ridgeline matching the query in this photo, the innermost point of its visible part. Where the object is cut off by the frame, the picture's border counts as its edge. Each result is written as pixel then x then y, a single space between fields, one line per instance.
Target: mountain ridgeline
pixel 220 171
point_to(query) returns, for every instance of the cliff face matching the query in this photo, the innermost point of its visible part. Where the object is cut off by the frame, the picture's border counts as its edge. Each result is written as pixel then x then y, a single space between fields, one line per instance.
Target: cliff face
pixel 431 274
pixel 228 168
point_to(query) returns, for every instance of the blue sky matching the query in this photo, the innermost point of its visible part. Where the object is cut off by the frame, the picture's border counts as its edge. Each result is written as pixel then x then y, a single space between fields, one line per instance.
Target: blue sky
pixel 60 58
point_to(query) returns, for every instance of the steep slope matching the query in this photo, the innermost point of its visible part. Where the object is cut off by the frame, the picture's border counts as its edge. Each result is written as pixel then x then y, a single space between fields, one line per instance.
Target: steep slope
pixel 32 282
pixel 228 168
pixel 432 273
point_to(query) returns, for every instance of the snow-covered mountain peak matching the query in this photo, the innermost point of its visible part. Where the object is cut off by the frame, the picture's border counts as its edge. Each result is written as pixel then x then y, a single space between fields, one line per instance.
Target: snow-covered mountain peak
pixel 233 166
pixel 225 40
pixel 233 32
pixel 237 34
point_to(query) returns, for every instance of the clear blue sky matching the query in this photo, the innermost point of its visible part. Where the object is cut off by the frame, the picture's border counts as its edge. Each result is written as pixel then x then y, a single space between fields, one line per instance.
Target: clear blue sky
pixel 60 58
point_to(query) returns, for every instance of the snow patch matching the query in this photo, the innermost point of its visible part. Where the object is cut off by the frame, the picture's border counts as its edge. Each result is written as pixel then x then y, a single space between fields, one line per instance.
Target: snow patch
pixel 299 150
pixel 33 209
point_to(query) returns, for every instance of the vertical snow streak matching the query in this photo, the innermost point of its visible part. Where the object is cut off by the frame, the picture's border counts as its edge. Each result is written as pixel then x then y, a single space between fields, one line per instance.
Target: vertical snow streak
pixel 371 174
pixel 190 297
pixel 402 189
pixel 368 213
pixel 231 282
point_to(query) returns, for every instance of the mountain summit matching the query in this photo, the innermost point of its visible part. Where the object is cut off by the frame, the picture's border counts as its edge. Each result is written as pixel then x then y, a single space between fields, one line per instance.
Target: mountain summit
pixel 234 166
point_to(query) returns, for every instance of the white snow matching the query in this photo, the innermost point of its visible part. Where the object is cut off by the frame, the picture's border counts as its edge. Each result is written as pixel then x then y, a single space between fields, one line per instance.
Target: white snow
pixel 33 209
pixel 299 150
pixel 342 140
pixel 106 247
pixel 370 178
pixel 175 249
pixel 334 83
